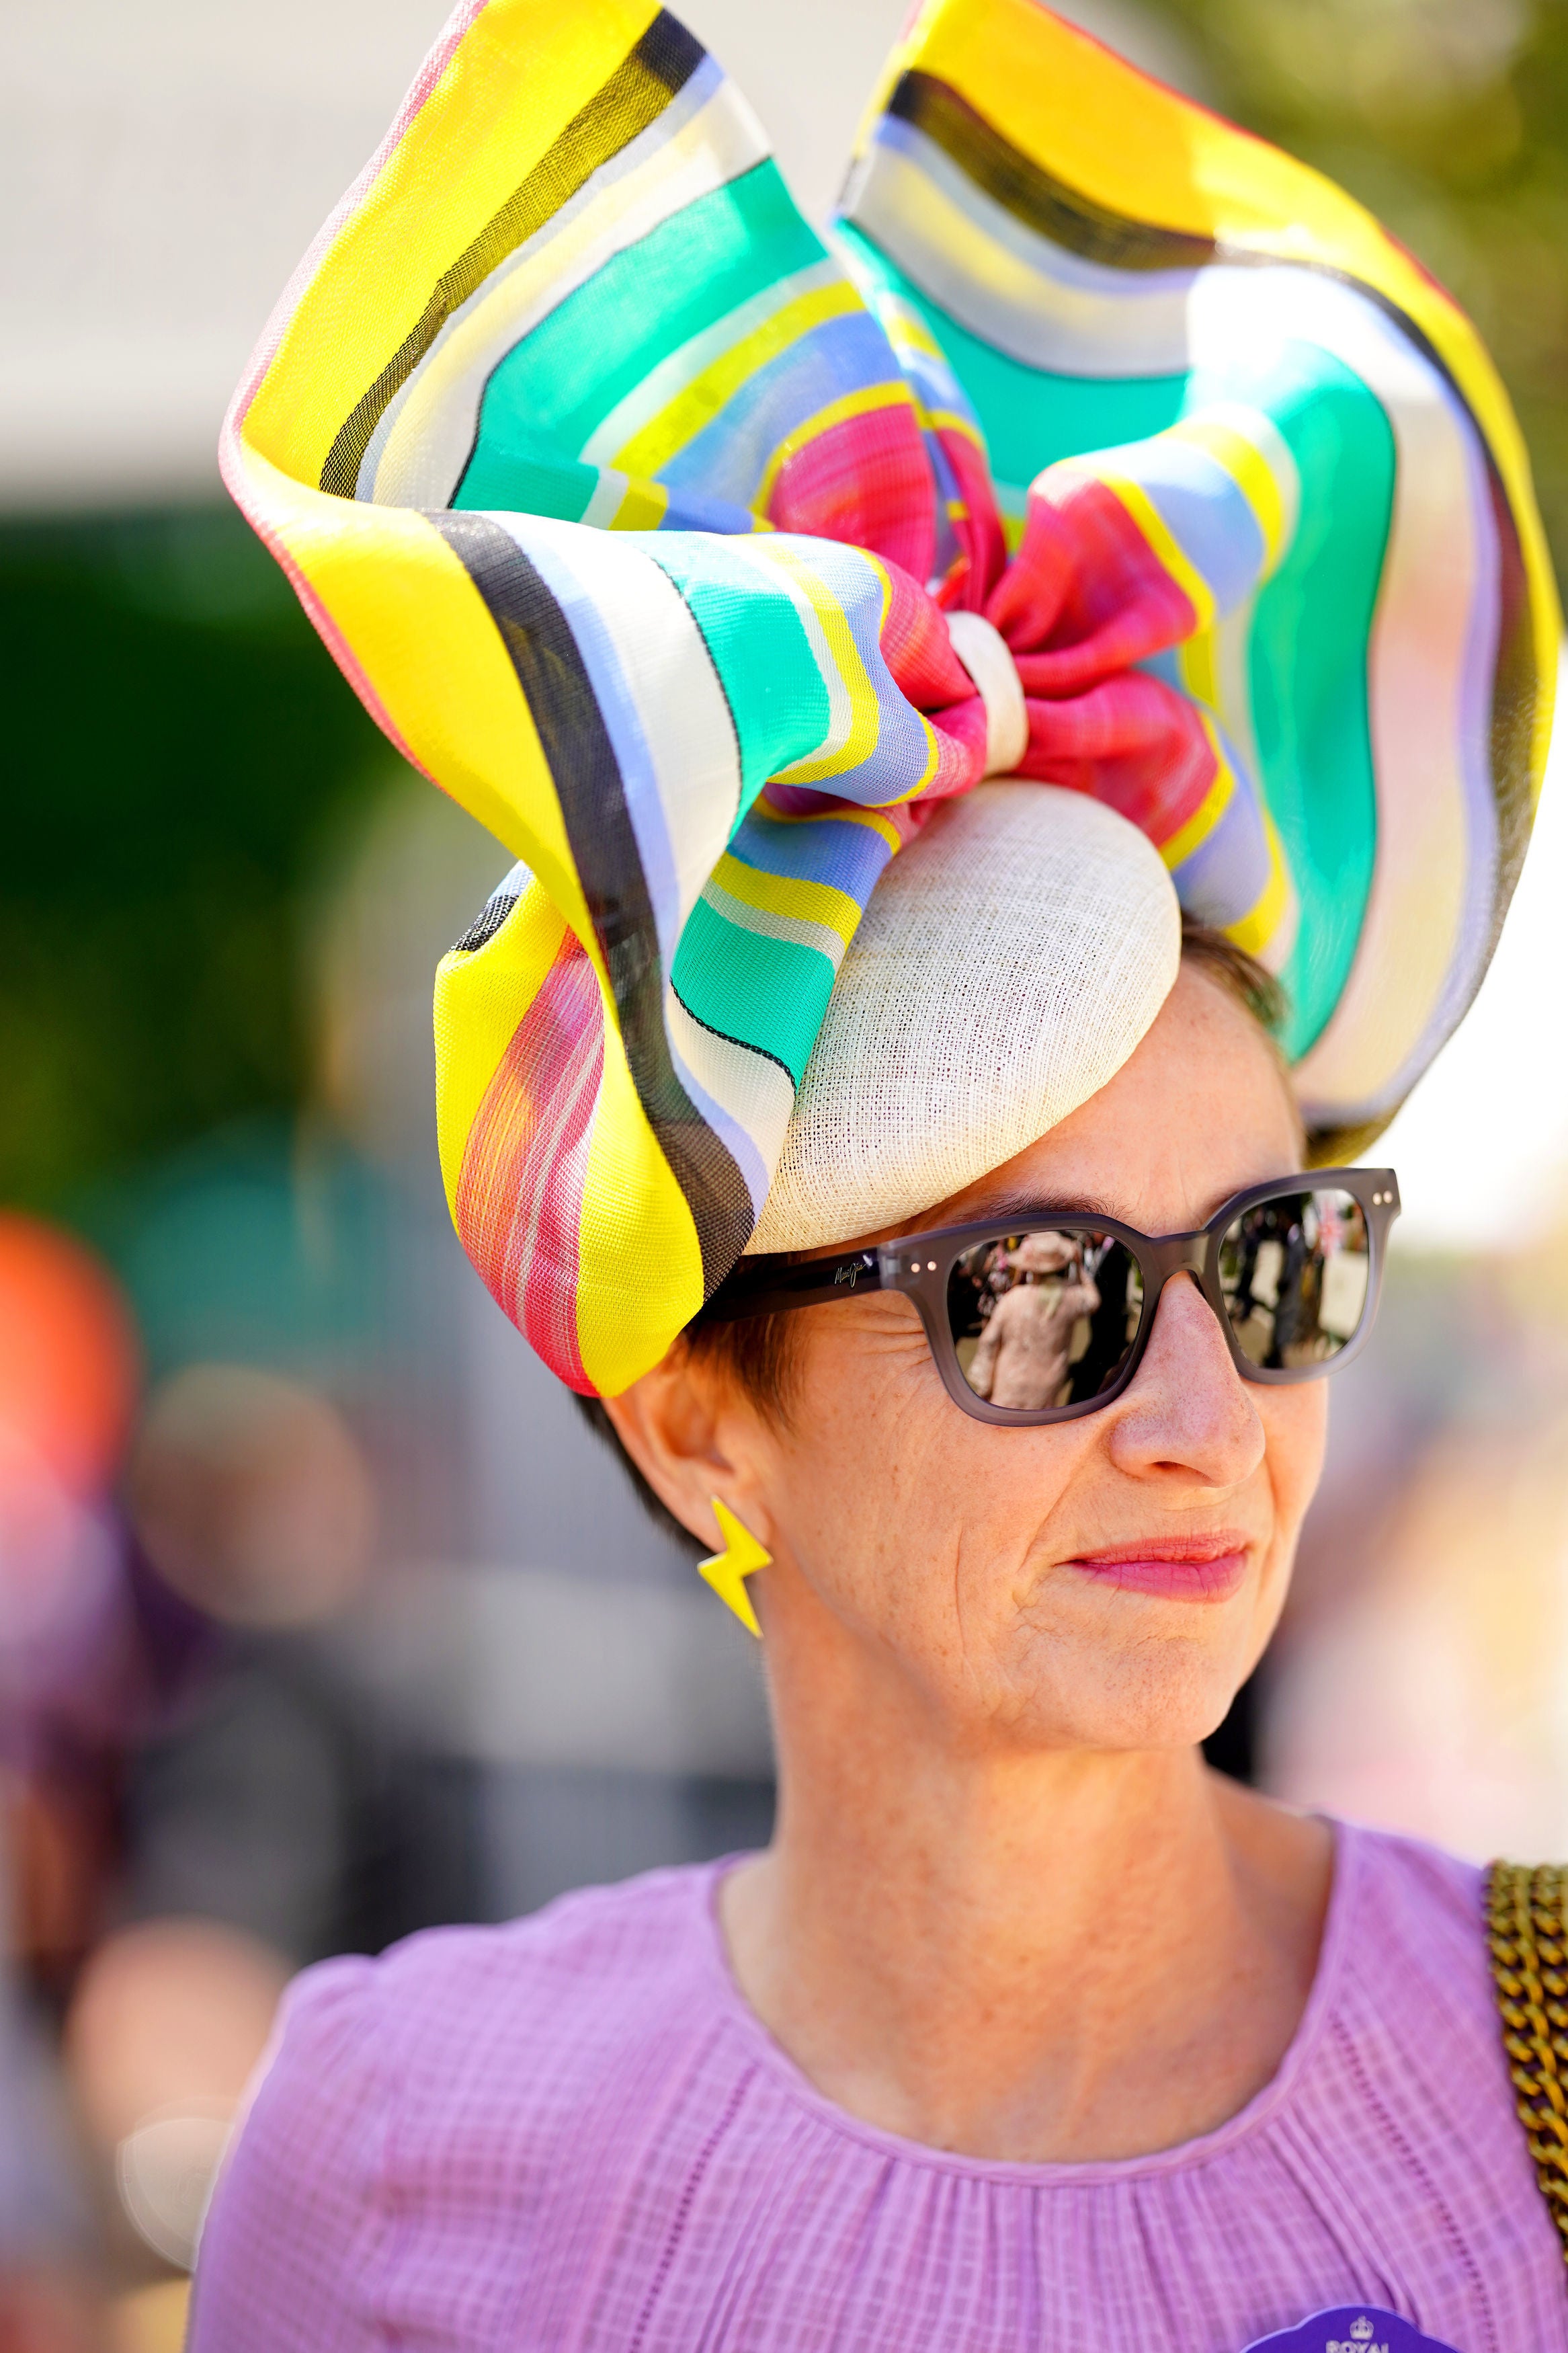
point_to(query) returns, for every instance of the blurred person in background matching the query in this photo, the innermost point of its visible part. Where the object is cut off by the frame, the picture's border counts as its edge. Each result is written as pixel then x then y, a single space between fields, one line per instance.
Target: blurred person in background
pixel 67 1381
pixel 1022 1355
pixel 1026 2029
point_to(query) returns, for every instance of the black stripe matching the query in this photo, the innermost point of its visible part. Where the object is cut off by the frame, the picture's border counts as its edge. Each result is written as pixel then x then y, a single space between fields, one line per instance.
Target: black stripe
pixel 486 923
pixel 1056 210
pixel 1051 208
pixel 636 94
pixel 744 1044
pixel 587 778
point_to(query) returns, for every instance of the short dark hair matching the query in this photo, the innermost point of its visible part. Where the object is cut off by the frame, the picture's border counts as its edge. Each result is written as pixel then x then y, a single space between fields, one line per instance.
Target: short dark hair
pixel 759 1354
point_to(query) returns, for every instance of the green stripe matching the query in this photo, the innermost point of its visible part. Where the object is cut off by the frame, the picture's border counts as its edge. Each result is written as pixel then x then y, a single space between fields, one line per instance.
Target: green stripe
pixel 760 652
pixel 1308 676
pixel 563 379
pixel 525 476
pixel 1031 418
pixel 769 993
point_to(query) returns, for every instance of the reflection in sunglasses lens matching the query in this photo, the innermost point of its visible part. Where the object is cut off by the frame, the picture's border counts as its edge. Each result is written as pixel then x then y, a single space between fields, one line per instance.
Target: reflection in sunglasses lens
pixel 1295 1272
pixel 1044 1317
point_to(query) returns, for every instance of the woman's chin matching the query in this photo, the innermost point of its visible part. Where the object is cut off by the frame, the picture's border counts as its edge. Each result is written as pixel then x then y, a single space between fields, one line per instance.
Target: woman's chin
pixel 1149 1691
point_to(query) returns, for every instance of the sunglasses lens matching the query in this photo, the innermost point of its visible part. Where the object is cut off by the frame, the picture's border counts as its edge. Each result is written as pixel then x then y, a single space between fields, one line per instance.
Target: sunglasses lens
pixel 1044 1317
pixel 1296 1272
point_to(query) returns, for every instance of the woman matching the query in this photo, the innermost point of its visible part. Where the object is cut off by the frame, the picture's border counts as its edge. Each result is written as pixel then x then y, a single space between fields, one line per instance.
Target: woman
pixel 1025 2031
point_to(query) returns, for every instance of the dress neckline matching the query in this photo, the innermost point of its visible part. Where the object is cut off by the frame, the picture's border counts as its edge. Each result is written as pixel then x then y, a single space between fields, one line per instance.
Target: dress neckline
pixel 1348 1873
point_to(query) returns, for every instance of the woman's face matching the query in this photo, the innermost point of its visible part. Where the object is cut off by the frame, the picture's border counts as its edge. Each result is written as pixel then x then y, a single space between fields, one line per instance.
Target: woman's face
pixel 970 1561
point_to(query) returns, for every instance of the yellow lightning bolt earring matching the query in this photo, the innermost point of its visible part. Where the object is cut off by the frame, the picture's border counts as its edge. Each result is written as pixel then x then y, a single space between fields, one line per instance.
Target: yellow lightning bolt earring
pixel 727 1571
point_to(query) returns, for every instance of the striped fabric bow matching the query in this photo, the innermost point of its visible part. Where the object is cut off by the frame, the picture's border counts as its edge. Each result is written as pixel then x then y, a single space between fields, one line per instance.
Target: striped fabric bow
pixel 680 545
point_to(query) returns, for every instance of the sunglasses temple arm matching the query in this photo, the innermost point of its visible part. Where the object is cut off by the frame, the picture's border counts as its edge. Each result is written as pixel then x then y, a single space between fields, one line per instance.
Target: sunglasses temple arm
pixel 764 1288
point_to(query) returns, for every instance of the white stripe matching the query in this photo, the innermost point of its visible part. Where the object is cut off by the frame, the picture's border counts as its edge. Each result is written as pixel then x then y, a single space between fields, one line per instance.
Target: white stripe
pixel 1027 295
pixel 758 1093
pixel 671 378
pixel 606 500
pixel 797 930
pixel 669 676
pixel 421 445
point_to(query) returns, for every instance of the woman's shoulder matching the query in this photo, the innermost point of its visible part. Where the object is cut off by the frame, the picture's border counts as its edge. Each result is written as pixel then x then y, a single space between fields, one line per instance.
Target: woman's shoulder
pixel 495 2058
pixel 1416 1899
pixel 1410 1965
pixel 1413 1914
pixel 637 1944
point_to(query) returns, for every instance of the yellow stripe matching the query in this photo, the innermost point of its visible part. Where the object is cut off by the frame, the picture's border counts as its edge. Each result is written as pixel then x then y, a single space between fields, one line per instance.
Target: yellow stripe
pixel 1207 814
pixel 683 418
pixel 479 1000
pixel 1251 471
pixel 436 661
pixel 864 711
pixel 1198 660
pixel 869 397
pixel 907 331
pixel 640 1275
pixel 948 421
pixel 1261 922
pixel 512 84
pixel 643 508
pixel 788 894
pixel 1167 552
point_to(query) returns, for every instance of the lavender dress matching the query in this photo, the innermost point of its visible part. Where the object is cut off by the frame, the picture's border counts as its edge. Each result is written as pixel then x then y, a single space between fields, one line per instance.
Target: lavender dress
pixel 572 2134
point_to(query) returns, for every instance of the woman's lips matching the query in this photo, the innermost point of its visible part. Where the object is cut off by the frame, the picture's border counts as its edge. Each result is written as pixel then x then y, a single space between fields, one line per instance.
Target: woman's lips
pixel 1173 1568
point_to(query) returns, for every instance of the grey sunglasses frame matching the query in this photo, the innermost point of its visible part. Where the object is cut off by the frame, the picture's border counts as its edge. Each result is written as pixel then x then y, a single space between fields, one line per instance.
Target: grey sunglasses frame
pixel 920 1266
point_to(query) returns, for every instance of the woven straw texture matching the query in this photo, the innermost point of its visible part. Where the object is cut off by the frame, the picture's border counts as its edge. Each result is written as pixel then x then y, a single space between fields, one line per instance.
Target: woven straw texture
pixel 1008 963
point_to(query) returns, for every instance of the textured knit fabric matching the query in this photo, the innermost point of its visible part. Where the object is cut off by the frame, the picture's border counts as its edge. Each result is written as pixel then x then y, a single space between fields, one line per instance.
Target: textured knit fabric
pixel 632 507
pixel 571 2134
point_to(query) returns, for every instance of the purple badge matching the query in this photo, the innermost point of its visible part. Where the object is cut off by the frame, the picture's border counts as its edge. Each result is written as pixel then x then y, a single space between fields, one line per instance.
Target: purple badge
pixel 1351 2328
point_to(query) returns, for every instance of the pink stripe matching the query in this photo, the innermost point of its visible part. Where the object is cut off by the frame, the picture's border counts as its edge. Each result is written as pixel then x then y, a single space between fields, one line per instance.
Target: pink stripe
pixel 1132 741
pixel 1086 594
pixel 866 481
pixel 979 527
pixel 520 1193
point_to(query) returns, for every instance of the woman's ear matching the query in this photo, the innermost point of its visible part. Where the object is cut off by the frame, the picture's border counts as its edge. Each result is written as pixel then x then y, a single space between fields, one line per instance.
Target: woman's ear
pixel 693 1436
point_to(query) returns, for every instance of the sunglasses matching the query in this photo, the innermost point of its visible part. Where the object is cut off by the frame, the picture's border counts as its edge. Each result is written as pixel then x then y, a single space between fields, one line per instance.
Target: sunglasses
pixel 1042 1315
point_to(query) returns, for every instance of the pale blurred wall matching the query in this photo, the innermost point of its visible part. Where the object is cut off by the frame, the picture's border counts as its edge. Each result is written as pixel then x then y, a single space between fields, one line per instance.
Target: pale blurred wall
pixel 164 164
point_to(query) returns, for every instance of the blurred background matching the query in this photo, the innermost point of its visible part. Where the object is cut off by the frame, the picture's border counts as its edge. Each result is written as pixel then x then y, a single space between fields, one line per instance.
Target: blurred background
pixel 320 1616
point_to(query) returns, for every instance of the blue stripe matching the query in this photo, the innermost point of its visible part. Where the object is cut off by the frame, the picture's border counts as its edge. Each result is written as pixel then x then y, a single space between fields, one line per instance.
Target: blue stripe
pixel 639 783
pixel 728 456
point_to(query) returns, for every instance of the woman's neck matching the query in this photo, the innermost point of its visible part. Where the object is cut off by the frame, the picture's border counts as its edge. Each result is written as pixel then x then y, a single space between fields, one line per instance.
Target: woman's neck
pixel 1053 1956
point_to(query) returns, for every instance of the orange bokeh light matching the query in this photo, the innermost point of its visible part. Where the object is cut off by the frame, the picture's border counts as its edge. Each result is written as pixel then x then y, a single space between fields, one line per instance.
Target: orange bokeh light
pixel 68 1355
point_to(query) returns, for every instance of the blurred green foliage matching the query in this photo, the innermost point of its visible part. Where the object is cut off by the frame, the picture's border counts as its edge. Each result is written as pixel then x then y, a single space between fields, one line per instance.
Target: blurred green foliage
pixel 1449 119
pixel 183 752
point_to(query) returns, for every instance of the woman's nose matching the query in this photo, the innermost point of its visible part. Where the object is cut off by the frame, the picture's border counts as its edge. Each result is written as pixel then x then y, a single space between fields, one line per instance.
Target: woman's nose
pixel 1187 1411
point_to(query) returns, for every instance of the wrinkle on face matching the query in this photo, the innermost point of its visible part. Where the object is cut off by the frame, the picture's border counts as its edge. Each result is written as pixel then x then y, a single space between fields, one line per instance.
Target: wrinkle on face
pixel 947 1542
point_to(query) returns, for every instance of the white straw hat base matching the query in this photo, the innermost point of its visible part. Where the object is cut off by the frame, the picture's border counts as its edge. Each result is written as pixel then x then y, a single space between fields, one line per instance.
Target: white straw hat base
pixel 1007 964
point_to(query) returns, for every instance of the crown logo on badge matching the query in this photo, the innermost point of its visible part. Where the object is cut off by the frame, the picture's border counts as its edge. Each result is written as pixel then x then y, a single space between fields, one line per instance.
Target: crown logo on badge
pixel 1359 2339
pixel 1361 2330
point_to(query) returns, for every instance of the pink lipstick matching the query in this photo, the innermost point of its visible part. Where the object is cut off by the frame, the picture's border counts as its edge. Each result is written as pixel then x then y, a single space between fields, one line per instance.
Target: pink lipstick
pixel 1173 1568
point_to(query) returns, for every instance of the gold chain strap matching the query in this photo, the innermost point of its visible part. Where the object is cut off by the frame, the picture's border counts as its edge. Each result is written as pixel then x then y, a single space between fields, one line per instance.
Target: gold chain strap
pixel 1527 1930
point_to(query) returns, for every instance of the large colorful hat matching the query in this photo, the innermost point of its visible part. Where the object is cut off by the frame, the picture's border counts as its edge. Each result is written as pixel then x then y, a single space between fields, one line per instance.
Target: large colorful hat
pixel 703 560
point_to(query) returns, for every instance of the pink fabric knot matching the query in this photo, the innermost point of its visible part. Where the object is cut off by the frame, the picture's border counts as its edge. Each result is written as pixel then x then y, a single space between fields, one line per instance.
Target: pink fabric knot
pixel 1081 603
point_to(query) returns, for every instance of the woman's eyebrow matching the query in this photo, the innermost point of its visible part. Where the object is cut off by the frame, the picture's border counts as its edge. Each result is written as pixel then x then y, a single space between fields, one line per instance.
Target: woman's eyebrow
pixel 1013 1203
